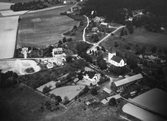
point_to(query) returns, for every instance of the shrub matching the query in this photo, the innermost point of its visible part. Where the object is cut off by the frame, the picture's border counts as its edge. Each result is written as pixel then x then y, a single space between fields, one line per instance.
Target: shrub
pixel 46 89
pixel 94 91
pixel 112 102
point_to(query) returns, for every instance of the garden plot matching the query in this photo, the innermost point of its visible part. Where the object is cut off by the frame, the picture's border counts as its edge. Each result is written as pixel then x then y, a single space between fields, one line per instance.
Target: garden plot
pixel 42 28
pixel 8 30
pixel 69 91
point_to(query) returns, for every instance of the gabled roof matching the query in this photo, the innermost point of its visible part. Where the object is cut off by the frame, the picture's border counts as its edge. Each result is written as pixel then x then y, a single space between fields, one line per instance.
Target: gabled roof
pixel 116 58
pixel 128 79
pixel 91 74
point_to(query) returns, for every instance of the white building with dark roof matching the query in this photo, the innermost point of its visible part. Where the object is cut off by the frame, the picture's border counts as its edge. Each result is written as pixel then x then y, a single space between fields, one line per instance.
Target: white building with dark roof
pixel 115 60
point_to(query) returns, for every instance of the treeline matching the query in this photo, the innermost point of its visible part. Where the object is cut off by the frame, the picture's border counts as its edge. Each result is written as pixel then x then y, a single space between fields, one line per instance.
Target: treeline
pixel 118 10
pixel 33 5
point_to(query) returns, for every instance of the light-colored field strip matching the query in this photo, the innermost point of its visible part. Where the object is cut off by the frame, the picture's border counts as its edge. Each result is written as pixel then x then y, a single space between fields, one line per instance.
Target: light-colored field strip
pixel 5 6
pixel 45 9
pixel 11 13
pixel 8 29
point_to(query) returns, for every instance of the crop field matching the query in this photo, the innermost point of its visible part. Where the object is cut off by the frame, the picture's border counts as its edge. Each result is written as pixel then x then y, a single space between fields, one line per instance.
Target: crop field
pixel 41 28
pixel 15 1
pixel 8 29
pixel 145 37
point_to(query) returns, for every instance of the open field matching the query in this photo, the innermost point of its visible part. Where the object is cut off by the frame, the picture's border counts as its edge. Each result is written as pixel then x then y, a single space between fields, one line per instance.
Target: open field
pixel 11 13
pixel 145 37
pixel 20 103
pixel 8 29
pixel 5 6
pixel 42 28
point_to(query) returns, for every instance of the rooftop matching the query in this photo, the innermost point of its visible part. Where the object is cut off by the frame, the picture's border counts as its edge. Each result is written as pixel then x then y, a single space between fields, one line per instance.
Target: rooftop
pixel 116 59
pixel 128 79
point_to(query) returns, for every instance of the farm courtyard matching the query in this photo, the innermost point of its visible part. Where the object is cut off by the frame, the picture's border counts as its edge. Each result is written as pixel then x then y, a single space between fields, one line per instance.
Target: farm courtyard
pixel 41 28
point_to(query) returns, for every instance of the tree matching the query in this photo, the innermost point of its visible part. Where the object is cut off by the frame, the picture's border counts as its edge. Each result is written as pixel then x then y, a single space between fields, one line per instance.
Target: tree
pixel 154 49
pixel 64 39
pixel 82 47
pixel 103 49
pixel 66 100
pixel 143 49
pixel 165 51
pixel 69 59
pixel 46 89
pixel 94 91
pixel 80 76
pixel 8 79
pixel 116 44
pixel 58 98
pixel 122 32
pixel 86 57
pixel 112 102
pixel 60 42
pixel 102 64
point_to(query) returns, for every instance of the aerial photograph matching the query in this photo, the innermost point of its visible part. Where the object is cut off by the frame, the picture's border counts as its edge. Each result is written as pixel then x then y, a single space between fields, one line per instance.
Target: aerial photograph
pixel 83 60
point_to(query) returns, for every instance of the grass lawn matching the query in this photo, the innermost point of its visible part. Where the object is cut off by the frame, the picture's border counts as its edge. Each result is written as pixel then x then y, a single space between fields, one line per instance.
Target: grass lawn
pixel 20 104
pixel 145 37
pixel 78 111
pixel 69 91
pixel 42 28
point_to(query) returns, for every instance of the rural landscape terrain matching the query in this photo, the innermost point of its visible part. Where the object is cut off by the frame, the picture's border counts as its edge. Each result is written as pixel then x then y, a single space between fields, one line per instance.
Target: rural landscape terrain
pixel 83 60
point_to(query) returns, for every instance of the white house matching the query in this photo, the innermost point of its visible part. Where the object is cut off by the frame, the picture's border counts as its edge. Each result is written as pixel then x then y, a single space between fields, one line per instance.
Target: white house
pixel 92 77
pixel 115 60
pixel 56 51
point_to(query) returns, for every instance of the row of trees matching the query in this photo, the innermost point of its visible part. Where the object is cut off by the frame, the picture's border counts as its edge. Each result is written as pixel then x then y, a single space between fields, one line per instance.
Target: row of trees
pixel 33 5
pixel 119 10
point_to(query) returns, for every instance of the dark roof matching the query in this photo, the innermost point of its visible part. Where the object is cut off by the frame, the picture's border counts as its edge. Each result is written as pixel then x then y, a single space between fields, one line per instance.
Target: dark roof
pixel 91 74
pixel 116 58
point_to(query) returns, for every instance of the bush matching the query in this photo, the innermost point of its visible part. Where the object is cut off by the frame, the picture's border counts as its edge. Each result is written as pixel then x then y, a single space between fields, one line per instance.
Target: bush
pixel 58 98
pixel 66 100
pixel 102 80
pixel 46 89
pixel 84 91
pixel 94 91
pixel 112 102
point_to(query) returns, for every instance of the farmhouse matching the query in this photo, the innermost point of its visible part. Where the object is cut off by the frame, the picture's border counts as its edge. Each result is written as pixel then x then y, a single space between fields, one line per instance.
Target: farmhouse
pixel 151 106
pixel 58 59
pixel 56 51
pixel 90 75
